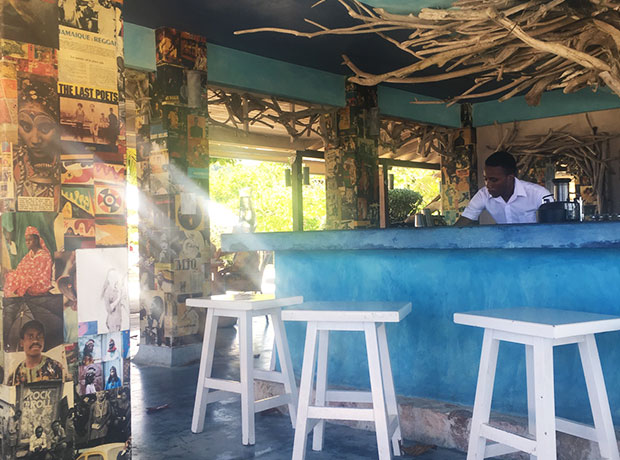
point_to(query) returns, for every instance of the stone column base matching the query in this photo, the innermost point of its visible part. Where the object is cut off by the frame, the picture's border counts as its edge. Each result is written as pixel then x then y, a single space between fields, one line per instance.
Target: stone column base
pixel 153 355
pixel 446 425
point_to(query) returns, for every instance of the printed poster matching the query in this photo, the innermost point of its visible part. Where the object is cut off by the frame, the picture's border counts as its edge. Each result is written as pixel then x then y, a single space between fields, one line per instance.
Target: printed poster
pixel 29 58
pixel 77 202
pixel 88 114
pixel 87 58
pixel 110 231
pixel 97 16
pixel 106 173
pixel 8 102
pixel 34 21
pixel 109 199
pixel 76 172
pixel 102 288
pixel 37 155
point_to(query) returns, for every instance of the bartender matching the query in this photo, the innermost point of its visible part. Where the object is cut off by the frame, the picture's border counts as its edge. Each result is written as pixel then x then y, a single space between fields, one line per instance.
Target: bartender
pixel 508 199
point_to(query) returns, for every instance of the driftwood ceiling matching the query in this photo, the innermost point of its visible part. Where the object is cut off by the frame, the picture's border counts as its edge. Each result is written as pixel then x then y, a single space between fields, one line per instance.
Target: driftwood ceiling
pixel 590 154
pixel 254 113
pixel 506 47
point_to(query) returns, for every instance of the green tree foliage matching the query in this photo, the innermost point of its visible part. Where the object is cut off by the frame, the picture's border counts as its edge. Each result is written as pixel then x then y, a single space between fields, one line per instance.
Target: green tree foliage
pixel 424 181
pixel 402 202
pixel 264 181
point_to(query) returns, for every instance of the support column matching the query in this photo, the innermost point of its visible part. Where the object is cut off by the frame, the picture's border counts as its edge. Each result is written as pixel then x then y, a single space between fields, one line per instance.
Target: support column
pixel 174 223
pixel 351 161
pixel 64 227
pixel 459 175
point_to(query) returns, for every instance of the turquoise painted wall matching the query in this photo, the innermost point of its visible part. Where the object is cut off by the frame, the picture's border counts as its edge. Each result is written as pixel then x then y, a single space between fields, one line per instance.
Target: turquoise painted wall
pixel 431 356
pixel 552 104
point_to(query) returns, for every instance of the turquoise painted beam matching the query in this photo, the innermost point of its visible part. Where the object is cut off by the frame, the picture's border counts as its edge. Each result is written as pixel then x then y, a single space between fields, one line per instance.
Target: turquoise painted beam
pixel 139 45
pixel 232 68
pixel 398 103
pixel 229 67
pixel 552 104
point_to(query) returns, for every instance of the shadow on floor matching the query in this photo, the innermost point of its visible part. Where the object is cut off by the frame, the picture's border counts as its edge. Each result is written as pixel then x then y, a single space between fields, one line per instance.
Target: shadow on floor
pixel 166 434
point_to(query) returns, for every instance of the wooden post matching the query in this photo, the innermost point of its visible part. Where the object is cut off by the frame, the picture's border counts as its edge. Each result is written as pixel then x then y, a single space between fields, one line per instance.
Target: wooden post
pixel 297 186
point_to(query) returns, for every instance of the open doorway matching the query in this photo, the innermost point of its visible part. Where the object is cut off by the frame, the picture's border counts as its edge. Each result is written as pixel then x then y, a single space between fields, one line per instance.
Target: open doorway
pixel 251 195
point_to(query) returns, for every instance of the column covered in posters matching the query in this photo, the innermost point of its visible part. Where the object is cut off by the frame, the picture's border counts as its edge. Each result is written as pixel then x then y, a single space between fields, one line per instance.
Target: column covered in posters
pixel 64 358
pixel 173 173
pixel 459 175
pixel 351 161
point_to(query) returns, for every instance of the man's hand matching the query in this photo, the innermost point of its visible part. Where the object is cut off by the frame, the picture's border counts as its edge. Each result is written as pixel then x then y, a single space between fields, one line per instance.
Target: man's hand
pixel 465 222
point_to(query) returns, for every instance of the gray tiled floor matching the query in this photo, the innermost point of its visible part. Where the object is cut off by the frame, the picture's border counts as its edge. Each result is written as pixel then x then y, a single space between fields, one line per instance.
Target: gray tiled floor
pixel 166 434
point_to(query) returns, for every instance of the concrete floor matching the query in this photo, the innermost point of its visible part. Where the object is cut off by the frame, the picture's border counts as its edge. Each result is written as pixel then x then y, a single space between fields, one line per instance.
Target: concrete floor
pixel 165 434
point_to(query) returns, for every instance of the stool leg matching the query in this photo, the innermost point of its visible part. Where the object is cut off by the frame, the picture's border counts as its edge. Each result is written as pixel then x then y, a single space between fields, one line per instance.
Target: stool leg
pixel 388 381
pixel 484 395
pixel 286 365
pixel 544 399
pixel 206 365
pixel 531 397
pixel 321 388
pixel 246 359
pixel 305 393
pixel 598 398
pixel 376 387
pixel 274 354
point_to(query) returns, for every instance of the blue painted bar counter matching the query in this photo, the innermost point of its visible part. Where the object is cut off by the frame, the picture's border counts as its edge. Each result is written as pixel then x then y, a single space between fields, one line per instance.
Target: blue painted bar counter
pixel 446 270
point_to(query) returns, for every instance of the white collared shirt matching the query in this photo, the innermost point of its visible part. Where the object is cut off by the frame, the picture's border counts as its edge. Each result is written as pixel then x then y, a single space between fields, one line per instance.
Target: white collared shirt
pixel 519 209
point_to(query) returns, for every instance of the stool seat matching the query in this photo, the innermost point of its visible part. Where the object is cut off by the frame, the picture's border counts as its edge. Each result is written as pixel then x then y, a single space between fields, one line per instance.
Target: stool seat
pixel 540 329
pixel 367 317
pixel 540 322
pixel 244 308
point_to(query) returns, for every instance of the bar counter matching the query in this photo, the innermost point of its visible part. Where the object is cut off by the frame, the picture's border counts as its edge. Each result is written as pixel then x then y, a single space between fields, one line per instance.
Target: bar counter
pixel 446 270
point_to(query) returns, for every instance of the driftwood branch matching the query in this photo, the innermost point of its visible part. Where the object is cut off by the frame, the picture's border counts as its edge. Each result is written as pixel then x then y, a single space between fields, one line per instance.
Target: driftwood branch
pixel 586 155
pixel 532 46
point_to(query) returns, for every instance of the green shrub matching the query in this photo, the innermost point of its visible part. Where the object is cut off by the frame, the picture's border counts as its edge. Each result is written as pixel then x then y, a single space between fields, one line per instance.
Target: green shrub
pixel 402 202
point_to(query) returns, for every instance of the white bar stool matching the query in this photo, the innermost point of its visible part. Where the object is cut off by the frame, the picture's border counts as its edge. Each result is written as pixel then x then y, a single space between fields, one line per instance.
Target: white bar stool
pixel 370 318
pixel 540 330
pixel 244 308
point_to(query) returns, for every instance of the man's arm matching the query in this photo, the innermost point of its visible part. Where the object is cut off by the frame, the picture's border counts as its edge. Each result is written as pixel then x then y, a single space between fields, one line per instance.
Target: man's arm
pixel 465 222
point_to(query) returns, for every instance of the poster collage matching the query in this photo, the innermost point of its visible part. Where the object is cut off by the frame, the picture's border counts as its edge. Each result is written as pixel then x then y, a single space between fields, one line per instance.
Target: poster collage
pixel 351 160
pixel 459 175
pixel 64 312
pixel 167 127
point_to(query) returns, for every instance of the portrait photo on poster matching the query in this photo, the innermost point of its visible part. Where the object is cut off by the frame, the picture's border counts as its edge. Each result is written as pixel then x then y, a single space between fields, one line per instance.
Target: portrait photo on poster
pixel 102 291
pixel 19 311
pixel 31 364
pixel 91 378
pixel 37 155
pixel 28 269
pixel 113 373
pixel 90 348
pixel 112 343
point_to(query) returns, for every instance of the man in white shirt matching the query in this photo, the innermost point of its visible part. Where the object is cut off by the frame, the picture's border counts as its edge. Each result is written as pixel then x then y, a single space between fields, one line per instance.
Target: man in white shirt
pixel 508 199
